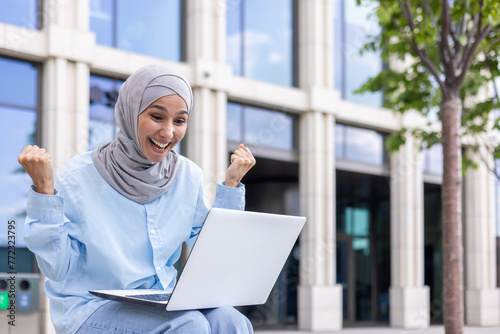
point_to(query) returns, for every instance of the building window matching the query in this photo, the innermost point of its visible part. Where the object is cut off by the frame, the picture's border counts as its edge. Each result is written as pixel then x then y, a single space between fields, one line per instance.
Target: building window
pixel 433 159
pixel 433 250
pixel 18 109
pixel 363 245
pixel 353 25
pixel 24 13
pixel 358 144
pixel 497 219
pixel 103 96
pixel 260 40
pixel 260 127
pixel 152 27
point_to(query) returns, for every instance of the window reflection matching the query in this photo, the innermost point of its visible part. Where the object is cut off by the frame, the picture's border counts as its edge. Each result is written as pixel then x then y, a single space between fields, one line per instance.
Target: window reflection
pixel 102 21
pixel 260 42
pixel 353 25
pixel 103 95
pixel 433 159
pixel 18 83
pixel 357 144
pixel 152 27
pixel 234 122
pixel 18 110
pixel 497 197
pixel 363 235
pixel 22 13
pixel 268 128
pixel 260 127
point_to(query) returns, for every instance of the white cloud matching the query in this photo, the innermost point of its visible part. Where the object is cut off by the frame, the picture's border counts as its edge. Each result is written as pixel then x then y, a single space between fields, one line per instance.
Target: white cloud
pixel 275 57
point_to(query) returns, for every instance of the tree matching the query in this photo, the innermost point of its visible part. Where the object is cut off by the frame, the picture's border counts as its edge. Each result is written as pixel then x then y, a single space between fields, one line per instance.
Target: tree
pixel 451 53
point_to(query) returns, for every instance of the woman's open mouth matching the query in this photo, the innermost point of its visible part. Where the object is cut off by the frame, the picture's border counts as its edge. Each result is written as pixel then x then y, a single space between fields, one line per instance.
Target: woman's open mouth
pixel 158 146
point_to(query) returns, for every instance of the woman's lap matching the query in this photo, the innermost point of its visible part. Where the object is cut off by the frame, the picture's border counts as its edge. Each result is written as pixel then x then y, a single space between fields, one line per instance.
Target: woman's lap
pixel 117 317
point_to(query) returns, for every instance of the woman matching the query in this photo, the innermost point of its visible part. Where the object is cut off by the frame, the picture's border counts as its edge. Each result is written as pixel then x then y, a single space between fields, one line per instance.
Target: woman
pixel 116 218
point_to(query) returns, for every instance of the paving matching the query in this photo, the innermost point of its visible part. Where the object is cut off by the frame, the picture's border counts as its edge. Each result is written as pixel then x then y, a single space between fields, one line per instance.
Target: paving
pixel 384 330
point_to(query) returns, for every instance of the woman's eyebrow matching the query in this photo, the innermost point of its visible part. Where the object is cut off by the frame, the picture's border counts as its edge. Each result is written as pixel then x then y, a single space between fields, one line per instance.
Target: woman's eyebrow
pixel 157 106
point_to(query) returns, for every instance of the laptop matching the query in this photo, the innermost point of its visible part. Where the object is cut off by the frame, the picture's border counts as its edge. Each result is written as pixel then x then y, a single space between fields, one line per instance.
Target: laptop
pixel 235 261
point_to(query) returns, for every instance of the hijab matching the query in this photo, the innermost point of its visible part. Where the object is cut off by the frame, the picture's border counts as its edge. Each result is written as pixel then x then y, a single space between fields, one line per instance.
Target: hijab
pixel 121 162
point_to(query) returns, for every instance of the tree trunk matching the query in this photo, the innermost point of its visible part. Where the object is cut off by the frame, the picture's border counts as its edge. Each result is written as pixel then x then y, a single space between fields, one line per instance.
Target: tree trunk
pixel 451 195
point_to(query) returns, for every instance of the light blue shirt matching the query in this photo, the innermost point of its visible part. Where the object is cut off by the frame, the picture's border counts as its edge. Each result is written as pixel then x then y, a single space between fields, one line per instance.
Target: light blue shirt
pixel 89 236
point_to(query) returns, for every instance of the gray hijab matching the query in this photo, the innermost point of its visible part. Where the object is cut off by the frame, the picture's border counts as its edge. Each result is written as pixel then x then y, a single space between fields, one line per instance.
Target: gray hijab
pixel 121 162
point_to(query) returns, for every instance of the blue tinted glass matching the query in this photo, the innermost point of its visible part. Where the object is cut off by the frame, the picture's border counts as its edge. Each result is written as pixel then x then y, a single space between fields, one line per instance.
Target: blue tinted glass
pixel 234 121
pixel 338 44
pixel 433 160
pixel 268 41
pixel 101 132
pixel 358 219
pixel 103 94
pixel 356 24
pixel 18 129
pixel 151 27
pixel 102 21
pixel 18 82
pixel 234 30
pixel 339 141
pixel 497 198
pixel 268 128
pixel 364 145
pixel 22 13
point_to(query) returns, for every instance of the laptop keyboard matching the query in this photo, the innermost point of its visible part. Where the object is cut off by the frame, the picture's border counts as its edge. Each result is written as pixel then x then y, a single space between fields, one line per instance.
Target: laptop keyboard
pixel 158 297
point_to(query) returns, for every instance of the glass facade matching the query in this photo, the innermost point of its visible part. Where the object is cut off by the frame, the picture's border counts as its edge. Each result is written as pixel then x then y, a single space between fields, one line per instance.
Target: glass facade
pixel 260 43
pixel 363 246
pixel 358 144
pixel 433 250
pixel 433 159
pixel 24 13
pixel 18 107
pixel 497 216
pixel 151 27
pixel 260 127
pixel 103 95
pixel 353 24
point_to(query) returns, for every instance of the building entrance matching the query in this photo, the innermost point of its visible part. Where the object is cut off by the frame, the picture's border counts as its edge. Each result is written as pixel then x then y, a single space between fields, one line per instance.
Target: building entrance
pixel 363 246
pixel 272 186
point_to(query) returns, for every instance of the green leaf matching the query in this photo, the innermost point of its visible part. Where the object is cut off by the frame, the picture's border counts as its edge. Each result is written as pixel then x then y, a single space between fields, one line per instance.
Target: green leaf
pixel 462 39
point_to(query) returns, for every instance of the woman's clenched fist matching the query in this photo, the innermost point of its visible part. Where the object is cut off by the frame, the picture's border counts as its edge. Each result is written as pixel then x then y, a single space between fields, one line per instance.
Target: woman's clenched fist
pixel 36 162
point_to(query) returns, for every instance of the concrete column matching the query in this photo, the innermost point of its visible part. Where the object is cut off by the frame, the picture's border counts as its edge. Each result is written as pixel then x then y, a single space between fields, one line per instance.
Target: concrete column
pixel 315 43
pixel 65 109
pixel 206 50
pixel 409 298
pixel 319 299
pixel 482 297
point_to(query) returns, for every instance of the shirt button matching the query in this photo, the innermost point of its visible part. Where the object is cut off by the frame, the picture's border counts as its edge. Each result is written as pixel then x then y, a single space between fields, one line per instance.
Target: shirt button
pixel 153 231
pixel 158 268
pixel 57 207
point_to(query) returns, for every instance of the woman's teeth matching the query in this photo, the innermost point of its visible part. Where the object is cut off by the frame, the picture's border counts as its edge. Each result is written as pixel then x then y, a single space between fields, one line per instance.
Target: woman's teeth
pixel 158 144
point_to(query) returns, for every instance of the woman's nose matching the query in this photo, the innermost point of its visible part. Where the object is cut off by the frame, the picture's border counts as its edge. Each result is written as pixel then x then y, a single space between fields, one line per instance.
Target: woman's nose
pixel 167 131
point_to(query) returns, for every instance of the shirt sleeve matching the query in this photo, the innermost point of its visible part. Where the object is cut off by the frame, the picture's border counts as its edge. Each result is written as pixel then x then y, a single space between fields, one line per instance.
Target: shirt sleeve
pixel 225 198
pixel 46 235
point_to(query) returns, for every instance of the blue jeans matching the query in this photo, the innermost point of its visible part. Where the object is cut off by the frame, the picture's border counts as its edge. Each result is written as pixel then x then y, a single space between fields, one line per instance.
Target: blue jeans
pixel 118 317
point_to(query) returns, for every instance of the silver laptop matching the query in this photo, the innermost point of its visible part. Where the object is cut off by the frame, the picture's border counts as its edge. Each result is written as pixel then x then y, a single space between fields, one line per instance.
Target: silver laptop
pixel 235 261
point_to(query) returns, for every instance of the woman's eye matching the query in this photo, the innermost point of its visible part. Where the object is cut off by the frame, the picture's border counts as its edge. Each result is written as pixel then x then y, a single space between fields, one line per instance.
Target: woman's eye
pixel 156 117
pixel 180 121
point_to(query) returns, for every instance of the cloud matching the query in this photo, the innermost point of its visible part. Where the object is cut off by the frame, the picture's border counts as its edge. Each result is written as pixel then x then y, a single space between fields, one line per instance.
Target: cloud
pixel 275 57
